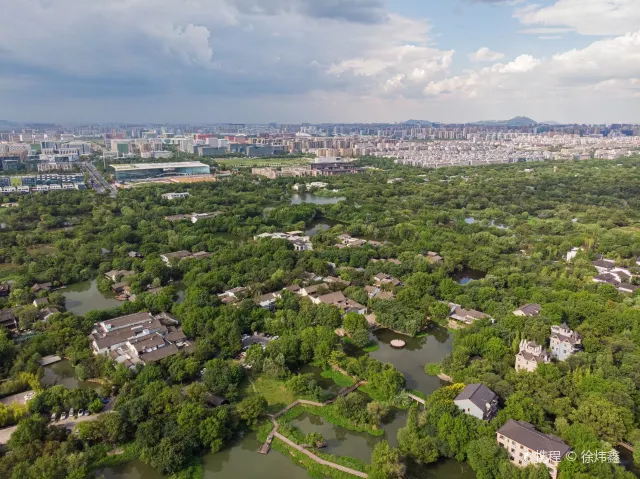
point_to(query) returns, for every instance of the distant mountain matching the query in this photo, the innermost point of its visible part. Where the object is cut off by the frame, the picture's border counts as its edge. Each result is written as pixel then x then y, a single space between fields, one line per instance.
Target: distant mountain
pixel 549 123
pixel 517 121
pixel 418 122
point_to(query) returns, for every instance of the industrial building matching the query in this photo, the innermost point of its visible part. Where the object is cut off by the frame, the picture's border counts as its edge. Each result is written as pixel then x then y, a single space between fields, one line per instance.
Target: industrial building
pixel 144 171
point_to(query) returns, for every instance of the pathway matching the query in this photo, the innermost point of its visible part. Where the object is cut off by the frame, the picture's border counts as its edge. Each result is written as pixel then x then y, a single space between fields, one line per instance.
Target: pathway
pixel 264 449
pixel 417 398
pixel 317 459
pixel 626 445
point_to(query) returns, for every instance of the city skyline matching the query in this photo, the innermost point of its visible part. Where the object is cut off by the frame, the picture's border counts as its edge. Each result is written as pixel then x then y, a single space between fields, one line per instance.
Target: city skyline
pixel 294 61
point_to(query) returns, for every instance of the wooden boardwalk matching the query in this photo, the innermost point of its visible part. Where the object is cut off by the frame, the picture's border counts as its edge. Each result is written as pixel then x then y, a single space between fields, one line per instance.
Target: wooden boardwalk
pixel 317 459
pixel 627 446
pixel 417 398
pixel 264 449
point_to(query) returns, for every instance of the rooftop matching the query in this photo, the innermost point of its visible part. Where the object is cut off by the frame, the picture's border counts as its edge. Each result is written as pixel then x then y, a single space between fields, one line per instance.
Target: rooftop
pixel 526 434
pixel 478 394
pixel 148 166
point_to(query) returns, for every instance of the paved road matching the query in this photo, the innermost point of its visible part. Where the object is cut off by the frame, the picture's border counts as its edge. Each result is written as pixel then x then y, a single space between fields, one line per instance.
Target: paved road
pixel 16 398
pixel 99 180
pixel 69 423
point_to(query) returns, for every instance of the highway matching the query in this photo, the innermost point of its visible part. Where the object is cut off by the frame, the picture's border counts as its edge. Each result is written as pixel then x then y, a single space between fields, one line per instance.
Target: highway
pixel 98 182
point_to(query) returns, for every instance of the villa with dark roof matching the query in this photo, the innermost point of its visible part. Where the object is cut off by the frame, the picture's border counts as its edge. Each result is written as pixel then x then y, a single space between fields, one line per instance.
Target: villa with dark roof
pixel 478 401
pixel 528 310
pixel 526 445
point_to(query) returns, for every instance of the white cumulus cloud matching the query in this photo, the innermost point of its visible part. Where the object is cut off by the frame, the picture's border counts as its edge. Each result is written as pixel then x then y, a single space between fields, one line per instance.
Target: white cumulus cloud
pixel 484 54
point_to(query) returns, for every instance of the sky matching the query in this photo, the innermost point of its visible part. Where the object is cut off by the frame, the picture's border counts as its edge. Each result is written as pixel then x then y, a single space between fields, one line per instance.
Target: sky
pixel 291 61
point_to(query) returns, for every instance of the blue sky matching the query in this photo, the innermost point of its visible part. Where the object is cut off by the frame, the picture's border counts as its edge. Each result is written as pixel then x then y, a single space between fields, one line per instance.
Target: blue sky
pixel 320 60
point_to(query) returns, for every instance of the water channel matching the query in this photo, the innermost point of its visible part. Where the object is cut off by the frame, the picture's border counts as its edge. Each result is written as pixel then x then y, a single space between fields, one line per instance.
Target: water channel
pixel 297 199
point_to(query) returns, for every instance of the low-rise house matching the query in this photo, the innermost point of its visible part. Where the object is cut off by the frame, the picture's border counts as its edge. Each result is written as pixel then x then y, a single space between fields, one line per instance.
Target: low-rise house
pixel 526 445
pixel 603 265
pixel 168 258
pixel 618 279
pixel 193 217
pixel 299 241
pixel 372 321
pixel 336 280
pixel 121 288
pixel 36 288
pixel 433 257
pixel 391 260
pixel 383 278
pixel 314 291
pixel 46 313
pixel 178 255
pixel 40 302
pixel 467 316
pixel 531 309
pixel 294 288
pixel 564 342
pixel 175 196
pixel 478 401
pixel 377 293
pixel 572 254
pixel 267 301
pixel 627 288
pixel 348 241
pixel 339 300
pixel 232 295
pixel 139 338
pixel 8 319
pixel 215 401
pixel 530 355
pixel 118 274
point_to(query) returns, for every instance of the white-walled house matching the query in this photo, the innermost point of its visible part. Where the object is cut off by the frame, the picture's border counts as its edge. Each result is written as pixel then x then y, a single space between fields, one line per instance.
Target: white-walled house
pixel 478 401
pixel 564 342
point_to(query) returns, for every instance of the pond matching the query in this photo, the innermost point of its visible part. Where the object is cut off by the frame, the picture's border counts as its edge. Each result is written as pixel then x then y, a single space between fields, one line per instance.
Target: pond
pixel 239 461
pixel 320 224
pixel 297 199
pixel 466 275
pixel 64 373
pixel 243 462
pixel 412 359
pixel 500 226
pixel 328 386
pixel 81 298
pixel 343 442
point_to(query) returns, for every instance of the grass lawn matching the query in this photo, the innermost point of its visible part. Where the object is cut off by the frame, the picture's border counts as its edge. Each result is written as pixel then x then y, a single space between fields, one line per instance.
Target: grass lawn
pixel 274 391
pixel 338 378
